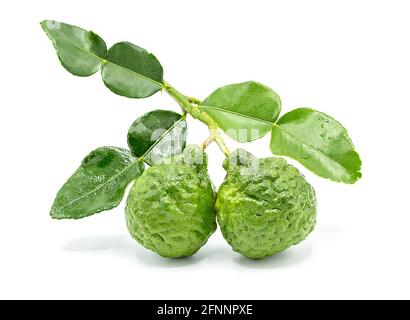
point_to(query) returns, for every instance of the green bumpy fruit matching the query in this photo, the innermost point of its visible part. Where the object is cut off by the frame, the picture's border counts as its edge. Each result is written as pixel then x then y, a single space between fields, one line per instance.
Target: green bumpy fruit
pixel 264 206
pixel 170 208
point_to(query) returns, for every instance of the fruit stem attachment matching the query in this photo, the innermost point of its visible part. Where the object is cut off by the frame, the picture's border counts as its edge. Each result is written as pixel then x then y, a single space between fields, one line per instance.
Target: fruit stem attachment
pixel 207 142
pixel 216 136
pixel 197 113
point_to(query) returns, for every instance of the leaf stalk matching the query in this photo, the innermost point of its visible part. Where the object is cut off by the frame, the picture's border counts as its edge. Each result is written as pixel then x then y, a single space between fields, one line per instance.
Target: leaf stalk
pixel 197 113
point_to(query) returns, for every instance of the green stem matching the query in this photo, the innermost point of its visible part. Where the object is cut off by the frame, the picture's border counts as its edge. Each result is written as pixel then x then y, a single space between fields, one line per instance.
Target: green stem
pixel 194 100
pixel 207 142
pixel 197 113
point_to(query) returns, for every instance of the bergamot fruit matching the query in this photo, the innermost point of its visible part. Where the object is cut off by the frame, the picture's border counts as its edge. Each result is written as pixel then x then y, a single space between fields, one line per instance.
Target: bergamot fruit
pixel 264 206
pixel 170 208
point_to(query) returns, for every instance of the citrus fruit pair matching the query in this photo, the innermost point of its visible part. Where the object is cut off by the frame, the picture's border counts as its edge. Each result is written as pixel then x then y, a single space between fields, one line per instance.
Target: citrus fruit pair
pixel 263 207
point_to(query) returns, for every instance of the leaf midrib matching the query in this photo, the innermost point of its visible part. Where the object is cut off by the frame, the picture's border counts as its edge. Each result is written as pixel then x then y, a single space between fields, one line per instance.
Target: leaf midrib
pixel 100 186
pixel 281 128
pixel 238 114
pixel 284 130
pixel 104 61
pixel 162 137
pixel 312 147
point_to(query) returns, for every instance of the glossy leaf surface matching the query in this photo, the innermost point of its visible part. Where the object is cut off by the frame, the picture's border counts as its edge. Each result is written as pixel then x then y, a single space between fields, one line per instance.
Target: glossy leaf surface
pixel 98 184
pixel 245 111
pixel 132 71
pixel 157 134
pixel 318 142
pixel 81 52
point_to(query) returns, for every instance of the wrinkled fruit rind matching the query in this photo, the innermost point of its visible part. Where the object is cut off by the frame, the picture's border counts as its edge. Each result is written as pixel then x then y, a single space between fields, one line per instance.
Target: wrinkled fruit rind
pixel 264 206
pixel 170 208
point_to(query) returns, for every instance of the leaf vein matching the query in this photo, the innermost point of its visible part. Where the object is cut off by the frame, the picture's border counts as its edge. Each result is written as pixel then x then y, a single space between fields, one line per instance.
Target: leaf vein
pixel 104 61
pixel 162 137
pixel 238 114
pixel 311 146
pixel 100 186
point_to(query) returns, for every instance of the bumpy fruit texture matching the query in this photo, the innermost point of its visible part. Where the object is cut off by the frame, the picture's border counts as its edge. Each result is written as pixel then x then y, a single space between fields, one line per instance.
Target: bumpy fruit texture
pixel 264 206
pixel 170 208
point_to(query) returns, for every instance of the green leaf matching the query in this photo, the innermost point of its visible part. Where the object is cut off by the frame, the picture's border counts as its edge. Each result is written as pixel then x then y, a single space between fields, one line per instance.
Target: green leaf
pixel 157 134
pixel 81 52
pixel 98 184
pixel 131 71
pixel 245 111
pixel 318 142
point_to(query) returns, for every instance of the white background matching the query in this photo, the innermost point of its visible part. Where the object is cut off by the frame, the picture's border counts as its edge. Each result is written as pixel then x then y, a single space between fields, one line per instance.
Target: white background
pixel 350 59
